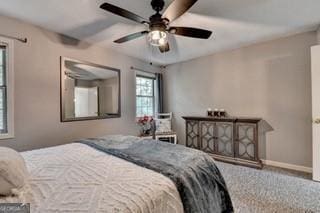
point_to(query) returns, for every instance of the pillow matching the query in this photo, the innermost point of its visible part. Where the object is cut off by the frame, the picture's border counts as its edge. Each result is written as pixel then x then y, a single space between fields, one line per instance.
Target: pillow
pixel 13 171
pixel 163 125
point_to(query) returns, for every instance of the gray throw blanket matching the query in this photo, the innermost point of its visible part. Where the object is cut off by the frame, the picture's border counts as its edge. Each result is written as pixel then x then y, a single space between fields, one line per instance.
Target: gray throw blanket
pixel 201 187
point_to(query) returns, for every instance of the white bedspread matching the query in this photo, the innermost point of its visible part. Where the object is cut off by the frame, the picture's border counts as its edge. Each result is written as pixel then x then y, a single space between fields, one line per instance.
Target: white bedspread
pixel 78 178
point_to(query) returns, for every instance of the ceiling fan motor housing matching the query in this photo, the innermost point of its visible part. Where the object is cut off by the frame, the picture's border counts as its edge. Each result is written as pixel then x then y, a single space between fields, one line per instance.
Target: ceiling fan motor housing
pixel 157 23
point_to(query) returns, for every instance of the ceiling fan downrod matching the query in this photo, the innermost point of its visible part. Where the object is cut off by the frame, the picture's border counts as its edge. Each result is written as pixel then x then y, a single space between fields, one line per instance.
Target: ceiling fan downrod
pixel 157 5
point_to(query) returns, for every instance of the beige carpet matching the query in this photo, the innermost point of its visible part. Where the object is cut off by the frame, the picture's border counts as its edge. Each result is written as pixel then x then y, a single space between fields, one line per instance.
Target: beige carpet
pixel 270 190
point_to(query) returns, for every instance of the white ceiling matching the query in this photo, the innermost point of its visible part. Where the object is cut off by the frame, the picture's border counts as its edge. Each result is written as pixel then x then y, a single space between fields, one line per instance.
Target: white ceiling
pixel 235 23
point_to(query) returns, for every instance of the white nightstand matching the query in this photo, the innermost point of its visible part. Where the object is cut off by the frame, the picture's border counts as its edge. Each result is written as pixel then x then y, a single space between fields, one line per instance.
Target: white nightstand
pixel 171 136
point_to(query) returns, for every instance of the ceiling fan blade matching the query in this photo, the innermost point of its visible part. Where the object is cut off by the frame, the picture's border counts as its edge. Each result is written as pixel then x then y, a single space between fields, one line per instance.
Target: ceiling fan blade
pixel 177 8
pixel 130 37
pixel 190 32
pixel 122 12
pixel 164 48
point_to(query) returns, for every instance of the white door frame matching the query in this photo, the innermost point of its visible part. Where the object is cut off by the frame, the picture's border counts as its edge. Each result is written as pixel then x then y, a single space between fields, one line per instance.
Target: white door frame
pixel 315 78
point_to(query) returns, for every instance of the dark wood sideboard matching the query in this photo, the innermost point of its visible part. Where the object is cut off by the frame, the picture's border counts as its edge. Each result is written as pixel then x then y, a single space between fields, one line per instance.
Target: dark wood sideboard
pixel 228 139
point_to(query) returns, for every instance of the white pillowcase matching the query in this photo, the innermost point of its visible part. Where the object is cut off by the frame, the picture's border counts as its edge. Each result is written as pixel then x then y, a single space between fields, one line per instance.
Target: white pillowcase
pixel 13 171
pixel 163 125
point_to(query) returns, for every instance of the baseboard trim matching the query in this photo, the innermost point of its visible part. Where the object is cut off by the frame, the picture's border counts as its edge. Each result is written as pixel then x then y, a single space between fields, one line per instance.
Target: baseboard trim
pixel 287 166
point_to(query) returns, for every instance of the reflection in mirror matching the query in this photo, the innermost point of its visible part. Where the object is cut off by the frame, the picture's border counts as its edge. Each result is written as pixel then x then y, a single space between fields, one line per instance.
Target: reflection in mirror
pixel 88 91
pixel 86 101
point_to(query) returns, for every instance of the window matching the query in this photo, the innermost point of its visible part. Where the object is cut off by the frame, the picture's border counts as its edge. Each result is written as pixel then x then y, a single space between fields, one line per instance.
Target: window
pixel 3 89
pixel 145 99
pixel 6 85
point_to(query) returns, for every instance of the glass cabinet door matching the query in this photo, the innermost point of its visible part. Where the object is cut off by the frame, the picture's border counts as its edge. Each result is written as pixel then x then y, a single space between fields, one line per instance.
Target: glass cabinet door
pixel 246 141
pixel 207 136
pixel 192 134
pixel 224 138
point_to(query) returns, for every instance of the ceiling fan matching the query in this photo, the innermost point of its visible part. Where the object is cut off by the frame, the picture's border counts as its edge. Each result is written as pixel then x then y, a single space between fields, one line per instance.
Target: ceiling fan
pixel 159 23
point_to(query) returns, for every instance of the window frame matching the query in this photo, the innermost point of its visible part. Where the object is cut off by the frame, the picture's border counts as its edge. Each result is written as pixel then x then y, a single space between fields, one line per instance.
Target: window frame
pixel 9 79
pixel 147 76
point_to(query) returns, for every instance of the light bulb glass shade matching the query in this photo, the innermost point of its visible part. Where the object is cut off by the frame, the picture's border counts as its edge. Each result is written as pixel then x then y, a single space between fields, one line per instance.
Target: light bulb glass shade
pixel 157 38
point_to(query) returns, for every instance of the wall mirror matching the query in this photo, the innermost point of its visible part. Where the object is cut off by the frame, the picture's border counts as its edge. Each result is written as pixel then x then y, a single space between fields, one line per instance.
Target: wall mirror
pixel 89 91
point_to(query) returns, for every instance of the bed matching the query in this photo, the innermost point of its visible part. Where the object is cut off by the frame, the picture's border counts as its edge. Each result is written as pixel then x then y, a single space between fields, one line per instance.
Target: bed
pixel 86 177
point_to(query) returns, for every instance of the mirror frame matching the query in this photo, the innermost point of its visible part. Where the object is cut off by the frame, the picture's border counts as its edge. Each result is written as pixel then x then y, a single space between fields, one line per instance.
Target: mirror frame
pixel 62 87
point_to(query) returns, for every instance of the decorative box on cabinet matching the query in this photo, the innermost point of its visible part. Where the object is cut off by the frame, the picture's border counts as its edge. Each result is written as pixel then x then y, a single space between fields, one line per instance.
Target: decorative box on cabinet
pixel 230 139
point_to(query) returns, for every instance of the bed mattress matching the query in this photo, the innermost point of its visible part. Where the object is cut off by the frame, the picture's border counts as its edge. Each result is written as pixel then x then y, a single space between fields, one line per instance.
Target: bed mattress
pixel 78 178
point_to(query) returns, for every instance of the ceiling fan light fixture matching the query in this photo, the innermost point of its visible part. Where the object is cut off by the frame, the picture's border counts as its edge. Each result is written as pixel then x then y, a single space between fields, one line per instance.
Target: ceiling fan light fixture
pixel 157 38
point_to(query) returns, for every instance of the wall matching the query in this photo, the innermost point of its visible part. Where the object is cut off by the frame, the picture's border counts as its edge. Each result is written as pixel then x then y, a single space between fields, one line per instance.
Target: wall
pixel 271 80
pixel 37 88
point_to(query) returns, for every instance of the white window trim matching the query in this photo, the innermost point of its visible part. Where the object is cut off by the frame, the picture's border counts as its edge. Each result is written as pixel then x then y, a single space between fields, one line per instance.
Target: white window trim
pixel 10 88
pixel 147 75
